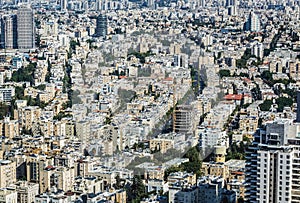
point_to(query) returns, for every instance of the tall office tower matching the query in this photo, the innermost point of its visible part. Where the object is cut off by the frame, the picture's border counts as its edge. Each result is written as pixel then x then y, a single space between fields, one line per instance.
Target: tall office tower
pixel 274 173
pixel 63 5
pixel 9 31
pixel 101 28
pixel 26 34
pixel 253 23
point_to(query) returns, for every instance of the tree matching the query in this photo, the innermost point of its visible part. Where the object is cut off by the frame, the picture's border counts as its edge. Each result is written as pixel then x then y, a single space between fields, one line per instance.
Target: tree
pixel 266 105
pixel 73 44
pixel 194 164
pixel 141 56
pixel 136 191
pixel 24 74
pixel 119 184
pixel 283 102
pixel 224 73
pixel 267 75
pixel 4 110
pixel 236 151
pixel 170 170
pixel 41 87
pixel 19 92
pixel 240 200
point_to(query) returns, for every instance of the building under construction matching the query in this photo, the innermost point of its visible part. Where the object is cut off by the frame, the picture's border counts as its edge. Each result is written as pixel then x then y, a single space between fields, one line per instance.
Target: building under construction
pixel 182 119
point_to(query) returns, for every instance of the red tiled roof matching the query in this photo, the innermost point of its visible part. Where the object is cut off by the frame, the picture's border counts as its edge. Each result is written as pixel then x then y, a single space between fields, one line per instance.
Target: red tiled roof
pixel 49 167
pixel 233 97
pixel 247 80
pixel 168 79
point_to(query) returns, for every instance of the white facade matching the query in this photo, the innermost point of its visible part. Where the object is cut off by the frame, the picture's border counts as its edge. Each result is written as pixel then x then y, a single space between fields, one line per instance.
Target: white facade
pixel 275 166
pixel 209 137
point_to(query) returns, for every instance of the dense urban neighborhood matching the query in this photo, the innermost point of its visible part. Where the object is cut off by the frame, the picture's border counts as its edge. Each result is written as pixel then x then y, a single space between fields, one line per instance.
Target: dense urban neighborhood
pixel 157 101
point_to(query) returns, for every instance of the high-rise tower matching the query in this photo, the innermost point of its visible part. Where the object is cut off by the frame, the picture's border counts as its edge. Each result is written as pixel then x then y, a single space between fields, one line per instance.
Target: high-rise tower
pixel 273 163
pixel 25 28
pixel 101 29
pixel 64 5
pixel 253 23
pixel 9 31
pixel 231 3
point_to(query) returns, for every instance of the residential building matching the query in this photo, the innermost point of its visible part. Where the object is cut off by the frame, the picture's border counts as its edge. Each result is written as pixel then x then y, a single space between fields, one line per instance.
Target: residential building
pixel 7 173
pixel 161 145
pixel 26 191
pixel 9 128
pixel 8 195
pixel 272 166
pixel 253 23
pixel 6 94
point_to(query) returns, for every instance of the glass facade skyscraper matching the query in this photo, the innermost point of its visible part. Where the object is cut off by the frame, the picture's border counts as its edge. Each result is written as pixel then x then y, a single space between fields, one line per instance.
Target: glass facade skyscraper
pixel 101 29
pixel 9 31
pixel 25 28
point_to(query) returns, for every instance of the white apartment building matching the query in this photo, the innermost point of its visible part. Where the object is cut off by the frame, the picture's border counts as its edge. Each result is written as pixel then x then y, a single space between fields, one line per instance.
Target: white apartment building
pixel 209 137
pixel 273 164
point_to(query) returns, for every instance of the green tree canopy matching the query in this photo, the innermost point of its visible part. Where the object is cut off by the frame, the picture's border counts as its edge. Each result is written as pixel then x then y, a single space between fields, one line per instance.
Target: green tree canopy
pixel 266 105
pixel 283 102
pixel 224 73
